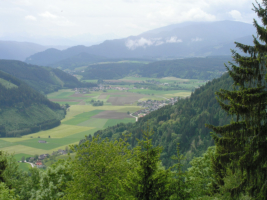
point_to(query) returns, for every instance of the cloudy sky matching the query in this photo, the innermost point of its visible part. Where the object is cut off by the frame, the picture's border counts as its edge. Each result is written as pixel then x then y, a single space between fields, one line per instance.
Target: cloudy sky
pixel 21 19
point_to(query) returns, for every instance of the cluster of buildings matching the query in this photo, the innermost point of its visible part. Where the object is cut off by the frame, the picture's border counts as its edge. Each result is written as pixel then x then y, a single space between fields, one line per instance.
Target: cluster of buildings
pixel 38 162
pixel 100 87
pixel 152 105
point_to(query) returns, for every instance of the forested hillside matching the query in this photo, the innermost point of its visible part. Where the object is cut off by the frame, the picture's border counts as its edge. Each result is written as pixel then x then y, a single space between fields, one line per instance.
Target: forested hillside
pixel 184 123
pixel 191 68
pixel 42 79
pixel 24 110
pixel 111 70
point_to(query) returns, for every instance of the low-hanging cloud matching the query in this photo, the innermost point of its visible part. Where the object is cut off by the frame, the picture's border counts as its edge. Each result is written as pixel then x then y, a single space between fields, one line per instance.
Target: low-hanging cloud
pixel 144 43
pixel 173 40
pixel 197 39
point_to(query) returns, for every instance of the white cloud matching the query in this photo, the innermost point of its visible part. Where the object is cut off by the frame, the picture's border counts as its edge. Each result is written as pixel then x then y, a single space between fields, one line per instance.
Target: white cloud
pixel 48 15
pixel 30 18
pixel 173 39
pixel 197 39
pixel 236 15
pixel 142 42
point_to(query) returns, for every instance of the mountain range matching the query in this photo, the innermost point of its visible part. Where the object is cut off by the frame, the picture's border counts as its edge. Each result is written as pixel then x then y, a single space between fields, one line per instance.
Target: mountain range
pixel 13 50
pixel 190 39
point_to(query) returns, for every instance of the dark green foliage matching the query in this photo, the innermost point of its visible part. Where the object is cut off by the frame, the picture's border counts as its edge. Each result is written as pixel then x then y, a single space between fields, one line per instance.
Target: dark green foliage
pixel 184 123
pixel 147 181
pixel 242 145
pixel 42 79
pixel 179 186
pixel 3 166
pixel 190 68
pixel 22 96
pixel 110 70
pixel 22 100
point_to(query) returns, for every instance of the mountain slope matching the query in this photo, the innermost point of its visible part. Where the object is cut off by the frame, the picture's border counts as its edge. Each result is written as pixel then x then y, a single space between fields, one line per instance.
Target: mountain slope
pixel 183 123
pixel 176 41
pixel 24 110
pixel 42 79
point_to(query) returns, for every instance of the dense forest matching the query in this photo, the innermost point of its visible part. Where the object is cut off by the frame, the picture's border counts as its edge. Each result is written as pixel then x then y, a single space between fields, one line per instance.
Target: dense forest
pixel 111 70
pixel 189 68
pixel 42 79
pixel 85 59
pixel 184 122
pixel 24 110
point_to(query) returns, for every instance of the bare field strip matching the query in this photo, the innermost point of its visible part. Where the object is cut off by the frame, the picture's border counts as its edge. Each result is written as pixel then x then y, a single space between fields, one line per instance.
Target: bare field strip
pixel 179 94
pixel 59 132
pixel 102 96
pixel 78 95
pixel 110 114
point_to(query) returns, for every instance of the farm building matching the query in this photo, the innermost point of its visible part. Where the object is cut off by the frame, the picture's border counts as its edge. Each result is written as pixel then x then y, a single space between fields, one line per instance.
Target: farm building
pixel 42 141
pixel 43 156
pixel 39 164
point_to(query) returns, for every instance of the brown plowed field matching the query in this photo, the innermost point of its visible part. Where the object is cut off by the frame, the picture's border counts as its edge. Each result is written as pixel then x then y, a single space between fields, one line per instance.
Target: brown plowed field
pixel 78 95
pixel 102 96
pixel 111 114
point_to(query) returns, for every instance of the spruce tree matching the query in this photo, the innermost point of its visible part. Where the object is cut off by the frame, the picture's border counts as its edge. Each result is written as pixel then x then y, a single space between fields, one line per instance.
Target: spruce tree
pixel 148 181
pixel 242 145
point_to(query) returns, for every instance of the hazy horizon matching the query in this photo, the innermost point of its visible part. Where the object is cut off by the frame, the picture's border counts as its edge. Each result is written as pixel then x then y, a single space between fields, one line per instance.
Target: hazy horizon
pixel 91 22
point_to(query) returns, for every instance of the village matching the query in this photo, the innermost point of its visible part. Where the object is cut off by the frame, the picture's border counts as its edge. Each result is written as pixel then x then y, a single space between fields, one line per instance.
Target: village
pixel 39 160
pixel 152 105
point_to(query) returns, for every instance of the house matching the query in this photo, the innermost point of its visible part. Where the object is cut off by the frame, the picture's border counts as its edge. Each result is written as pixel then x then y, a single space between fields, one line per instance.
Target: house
pixel 39 164
pixel 42 141
pixel 60 151
pixel 43 156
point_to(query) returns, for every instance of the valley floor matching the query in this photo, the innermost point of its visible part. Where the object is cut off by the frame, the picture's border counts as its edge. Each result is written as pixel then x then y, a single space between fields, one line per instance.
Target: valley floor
pixel 83 119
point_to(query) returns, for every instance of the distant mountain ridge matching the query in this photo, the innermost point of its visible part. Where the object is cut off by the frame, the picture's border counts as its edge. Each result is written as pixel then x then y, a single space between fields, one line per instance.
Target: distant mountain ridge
pixel 175 41
pixel 12 50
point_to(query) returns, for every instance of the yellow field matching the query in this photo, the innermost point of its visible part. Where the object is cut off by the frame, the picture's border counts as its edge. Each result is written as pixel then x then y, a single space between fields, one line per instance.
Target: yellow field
pixel 17 149
pixel 175 79
pixel 78 109
pixel 59 132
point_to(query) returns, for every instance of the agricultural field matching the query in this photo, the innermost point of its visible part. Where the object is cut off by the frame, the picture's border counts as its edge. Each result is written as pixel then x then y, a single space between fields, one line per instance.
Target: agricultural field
pixel 83 118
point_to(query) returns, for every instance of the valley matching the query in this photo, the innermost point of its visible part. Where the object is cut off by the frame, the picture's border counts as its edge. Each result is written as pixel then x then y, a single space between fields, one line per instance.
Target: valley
pixel 166 113
pixel 83 119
